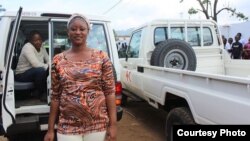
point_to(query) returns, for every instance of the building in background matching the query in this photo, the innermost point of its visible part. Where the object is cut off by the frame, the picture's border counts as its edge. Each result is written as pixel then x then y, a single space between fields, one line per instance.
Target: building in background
pixel 230 30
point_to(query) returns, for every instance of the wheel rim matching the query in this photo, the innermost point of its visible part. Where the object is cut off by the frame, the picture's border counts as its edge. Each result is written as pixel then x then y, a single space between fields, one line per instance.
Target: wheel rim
pixel 176 59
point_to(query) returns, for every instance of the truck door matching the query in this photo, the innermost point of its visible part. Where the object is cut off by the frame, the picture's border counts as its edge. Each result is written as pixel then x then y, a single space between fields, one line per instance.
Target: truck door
pixel 130 75
pixel 8 101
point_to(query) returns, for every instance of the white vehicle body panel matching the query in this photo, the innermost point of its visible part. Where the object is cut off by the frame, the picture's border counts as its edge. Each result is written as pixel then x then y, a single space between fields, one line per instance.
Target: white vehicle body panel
pixel 217 92
pixel 214 99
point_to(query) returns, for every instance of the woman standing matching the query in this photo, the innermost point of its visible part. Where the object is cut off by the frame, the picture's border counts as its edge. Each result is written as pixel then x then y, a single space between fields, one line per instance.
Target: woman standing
pixel 83 90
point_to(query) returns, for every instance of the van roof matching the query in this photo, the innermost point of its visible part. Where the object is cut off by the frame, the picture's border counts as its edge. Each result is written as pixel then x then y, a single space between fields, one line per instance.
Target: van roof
pixel 36 14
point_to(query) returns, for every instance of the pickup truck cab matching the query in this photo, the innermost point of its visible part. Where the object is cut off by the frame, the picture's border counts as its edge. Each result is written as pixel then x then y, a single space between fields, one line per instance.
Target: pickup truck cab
pixel 182 67
pixel 20 110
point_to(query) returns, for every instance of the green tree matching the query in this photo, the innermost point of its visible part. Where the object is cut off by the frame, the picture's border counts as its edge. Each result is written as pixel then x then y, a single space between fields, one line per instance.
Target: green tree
pixel 1 8
pixel 209 9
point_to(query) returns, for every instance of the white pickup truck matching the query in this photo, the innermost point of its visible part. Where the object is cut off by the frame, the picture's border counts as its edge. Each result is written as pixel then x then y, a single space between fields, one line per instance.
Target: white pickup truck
pixel 20 110
pixel 181 67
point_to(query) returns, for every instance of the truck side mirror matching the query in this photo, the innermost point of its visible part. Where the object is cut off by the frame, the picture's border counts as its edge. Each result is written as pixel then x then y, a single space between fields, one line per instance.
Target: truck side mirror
pixel 128 53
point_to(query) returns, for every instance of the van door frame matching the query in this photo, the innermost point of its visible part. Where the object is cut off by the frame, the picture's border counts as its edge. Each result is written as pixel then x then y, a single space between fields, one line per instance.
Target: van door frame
pixel 8 100
pixel 51 51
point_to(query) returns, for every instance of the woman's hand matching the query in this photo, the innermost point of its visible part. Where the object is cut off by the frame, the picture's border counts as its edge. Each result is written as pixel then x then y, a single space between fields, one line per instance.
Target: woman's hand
pixel 111 133
pixel 49 136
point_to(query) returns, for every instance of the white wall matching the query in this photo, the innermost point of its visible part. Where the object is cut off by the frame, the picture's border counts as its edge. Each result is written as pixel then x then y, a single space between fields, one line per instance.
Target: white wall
pixel 232 29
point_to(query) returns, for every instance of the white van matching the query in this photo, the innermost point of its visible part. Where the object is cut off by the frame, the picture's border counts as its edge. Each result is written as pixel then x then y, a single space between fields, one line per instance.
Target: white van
pixel 21 111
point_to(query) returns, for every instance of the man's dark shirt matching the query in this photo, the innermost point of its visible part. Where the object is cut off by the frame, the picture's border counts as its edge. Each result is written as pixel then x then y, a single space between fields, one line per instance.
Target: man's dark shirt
pixel 236 50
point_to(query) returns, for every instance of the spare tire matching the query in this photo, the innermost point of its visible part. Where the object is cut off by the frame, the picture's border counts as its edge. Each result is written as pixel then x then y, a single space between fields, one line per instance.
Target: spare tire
pixel 174 53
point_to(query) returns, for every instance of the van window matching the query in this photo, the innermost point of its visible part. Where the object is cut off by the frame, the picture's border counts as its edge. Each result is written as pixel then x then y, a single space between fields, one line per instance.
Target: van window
pixel 193 35
pixel 96 39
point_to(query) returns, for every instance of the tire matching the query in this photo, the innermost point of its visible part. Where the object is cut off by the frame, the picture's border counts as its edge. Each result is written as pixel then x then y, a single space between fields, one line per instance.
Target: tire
pixel 178 116
pixel 124 100
pixel 174 53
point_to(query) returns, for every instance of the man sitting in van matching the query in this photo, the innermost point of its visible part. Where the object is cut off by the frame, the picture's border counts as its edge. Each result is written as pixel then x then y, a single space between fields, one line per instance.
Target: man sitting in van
pixel 33 64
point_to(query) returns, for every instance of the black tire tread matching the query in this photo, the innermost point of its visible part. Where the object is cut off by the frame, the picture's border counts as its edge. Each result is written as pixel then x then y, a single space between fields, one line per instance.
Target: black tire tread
pixel 182 115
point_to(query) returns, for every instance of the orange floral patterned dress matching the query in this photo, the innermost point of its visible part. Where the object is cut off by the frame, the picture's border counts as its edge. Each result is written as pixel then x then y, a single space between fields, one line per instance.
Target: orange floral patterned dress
pixel 81 88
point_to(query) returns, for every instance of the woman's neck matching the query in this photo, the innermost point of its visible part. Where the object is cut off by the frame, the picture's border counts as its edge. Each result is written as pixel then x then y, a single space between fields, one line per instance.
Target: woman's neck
pixel 79 48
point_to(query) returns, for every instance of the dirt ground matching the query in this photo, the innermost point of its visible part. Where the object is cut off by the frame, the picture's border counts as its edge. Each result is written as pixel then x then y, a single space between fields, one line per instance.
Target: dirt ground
pixel 3 139
pixel 141 122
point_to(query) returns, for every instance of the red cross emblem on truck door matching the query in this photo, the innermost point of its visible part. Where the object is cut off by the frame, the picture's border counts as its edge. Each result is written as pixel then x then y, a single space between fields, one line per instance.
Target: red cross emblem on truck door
pixel 128 76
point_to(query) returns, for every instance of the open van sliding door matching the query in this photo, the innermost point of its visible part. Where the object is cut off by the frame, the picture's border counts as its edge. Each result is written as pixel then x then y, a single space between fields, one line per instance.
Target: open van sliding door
pixel 8 101
pixel 58 42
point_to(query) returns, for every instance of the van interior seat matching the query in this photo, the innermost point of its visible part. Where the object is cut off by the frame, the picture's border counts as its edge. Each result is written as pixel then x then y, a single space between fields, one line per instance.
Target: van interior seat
pixel 23 85
pixel 20 85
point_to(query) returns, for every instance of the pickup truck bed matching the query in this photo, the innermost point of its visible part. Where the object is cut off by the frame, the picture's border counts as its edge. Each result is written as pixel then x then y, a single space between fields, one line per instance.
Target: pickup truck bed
pixel 212 99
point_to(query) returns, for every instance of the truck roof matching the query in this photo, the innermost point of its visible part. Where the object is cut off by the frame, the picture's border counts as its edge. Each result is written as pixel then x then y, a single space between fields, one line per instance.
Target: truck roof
pixel 47 15
pixel 178 22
